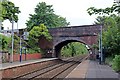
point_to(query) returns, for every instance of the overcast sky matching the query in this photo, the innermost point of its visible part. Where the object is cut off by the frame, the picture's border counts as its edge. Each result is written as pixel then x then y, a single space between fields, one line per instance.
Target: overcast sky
pixel 74 10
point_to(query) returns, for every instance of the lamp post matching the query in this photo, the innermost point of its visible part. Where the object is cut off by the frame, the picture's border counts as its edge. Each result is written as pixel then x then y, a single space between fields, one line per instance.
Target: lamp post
pixel 20 49
pixel 100 46
pixel 12 40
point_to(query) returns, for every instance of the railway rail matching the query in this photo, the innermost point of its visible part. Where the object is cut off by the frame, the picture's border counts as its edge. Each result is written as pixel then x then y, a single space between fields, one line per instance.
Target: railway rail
pixel 57 70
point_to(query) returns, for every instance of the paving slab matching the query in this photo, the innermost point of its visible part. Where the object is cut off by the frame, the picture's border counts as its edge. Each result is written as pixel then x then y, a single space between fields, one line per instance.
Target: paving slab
pixel 92 70
pixel 100 72
pixel 79 71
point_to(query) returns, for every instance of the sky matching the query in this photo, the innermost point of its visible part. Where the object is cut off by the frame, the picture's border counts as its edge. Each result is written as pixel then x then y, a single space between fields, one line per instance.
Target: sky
pixel 75 11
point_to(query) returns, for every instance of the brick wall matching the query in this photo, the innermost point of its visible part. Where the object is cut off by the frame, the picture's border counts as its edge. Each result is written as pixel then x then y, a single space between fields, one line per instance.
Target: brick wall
pixel 21 70
pixel 16 57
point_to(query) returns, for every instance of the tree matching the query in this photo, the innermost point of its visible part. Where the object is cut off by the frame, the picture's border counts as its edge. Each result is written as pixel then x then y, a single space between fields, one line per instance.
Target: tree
pixel 34 35
pixel 111 33
pixel 111 36
pixel 109 10
pixel 73 49
pixel 4 42
pixel 9 11
pixel 44 14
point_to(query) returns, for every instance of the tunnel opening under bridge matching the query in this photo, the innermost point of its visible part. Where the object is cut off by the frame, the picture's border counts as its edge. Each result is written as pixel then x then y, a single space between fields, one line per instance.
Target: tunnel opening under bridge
pixel 59 47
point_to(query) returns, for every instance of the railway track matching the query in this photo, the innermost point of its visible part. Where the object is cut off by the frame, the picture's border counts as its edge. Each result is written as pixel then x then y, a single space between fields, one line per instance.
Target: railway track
pixel 59 70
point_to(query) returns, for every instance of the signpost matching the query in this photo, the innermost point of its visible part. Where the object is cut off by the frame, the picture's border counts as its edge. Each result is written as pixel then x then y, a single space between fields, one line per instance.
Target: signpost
pixel 25 37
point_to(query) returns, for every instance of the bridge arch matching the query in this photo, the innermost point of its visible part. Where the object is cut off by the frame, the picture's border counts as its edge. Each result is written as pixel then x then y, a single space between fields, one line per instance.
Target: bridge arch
pixel 58 46
pixel 86 34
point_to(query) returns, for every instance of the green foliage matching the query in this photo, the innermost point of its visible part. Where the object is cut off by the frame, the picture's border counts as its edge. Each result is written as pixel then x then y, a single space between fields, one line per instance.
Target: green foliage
pixel 116 63
pixel 95 46
pixel 109 10
pixel 40 30
pixel 109 60
pixel 4 41
pixel 44 14
pixel 111 36
pixel 34 35
pixel 111 33
pixel 31 51
pixel 1 9
pixel 7 45
pixel 9 11
pixel 73 49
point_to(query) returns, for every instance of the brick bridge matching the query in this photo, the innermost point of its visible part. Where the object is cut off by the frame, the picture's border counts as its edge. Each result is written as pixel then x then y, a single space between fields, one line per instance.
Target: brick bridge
pixel 86 34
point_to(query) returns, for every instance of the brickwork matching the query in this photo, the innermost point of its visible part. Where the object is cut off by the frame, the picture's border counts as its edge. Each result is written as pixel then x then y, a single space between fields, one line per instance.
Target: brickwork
pixel 28 56
pixel 20 70
pixel 86 34
pixel 16 57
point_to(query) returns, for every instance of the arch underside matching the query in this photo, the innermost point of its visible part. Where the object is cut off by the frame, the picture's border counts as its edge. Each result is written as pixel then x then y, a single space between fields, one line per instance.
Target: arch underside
pixel 64 41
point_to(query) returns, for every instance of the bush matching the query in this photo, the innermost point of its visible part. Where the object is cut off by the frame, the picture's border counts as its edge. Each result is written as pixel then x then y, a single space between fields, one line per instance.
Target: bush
pixel 116 63
pixel 109 60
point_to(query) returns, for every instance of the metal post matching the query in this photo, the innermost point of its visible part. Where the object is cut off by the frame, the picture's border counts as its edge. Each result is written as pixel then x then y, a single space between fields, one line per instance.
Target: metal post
pixel 101 45
pixel 53 52
pixel 99 52
pixel 17 29
pixel 20 50
pixel 12 41
pixel 25 53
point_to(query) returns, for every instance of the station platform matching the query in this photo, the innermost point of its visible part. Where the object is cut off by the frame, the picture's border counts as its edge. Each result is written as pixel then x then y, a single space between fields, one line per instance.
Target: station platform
pixel 86 70
pixel 16 64
pixel 92 70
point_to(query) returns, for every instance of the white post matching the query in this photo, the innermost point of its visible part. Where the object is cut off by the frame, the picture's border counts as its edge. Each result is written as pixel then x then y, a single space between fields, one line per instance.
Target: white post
pixel 12 41
pixel 99 50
